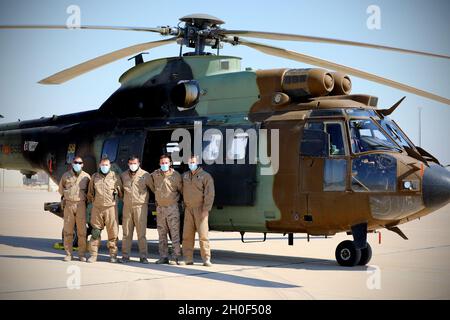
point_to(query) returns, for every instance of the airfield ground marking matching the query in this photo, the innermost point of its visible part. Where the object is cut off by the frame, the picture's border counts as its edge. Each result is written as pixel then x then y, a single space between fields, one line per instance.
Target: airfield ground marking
pixel 412 250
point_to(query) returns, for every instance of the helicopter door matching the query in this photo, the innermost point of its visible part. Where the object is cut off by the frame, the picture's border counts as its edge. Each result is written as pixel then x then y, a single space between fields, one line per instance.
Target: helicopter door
pixel 120 147
pixel 323 165
pixel 226 156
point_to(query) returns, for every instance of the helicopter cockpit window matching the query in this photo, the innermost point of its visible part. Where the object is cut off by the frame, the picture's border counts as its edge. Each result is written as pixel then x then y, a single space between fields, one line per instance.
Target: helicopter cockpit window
pixel 334 174
pixel 334 131
pixel 314 126
pixel 326 113
pixel 110 147
pixel 314 141
pixel 374 173
pixel 361 113
pixel 394 132
pixel 366 136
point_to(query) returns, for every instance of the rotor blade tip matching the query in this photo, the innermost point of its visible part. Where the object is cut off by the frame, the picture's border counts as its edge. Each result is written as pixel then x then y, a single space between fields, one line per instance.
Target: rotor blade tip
pixel 46 82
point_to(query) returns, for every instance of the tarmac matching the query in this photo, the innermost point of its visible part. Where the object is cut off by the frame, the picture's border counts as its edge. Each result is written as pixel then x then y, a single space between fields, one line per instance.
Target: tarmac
pixel 418 268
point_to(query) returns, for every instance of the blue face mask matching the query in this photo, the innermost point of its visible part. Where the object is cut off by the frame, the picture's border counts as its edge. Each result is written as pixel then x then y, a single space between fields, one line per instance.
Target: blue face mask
pixel 164 167
pixel 104 169
pixel 76 167
pixel 193 166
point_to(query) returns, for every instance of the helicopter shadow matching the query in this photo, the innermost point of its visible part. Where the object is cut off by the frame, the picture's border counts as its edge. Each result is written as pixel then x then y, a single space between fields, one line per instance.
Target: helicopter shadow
pixel 46 245
pixel 219 257
pixel 255 260
pixel 38 244
pixel 260 260
pixel 241 260
pixel 12 256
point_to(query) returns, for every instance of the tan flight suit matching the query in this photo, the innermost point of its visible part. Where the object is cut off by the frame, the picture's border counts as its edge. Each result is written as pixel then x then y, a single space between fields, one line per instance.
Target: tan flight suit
pixel 167 189
pixel 198 195
pixel 73 187
pixel 102 192
pixel 135 209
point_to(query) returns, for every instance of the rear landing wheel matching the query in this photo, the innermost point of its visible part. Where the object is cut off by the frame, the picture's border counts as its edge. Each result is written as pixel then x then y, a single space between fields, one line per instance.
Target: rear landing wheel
pixel 347 254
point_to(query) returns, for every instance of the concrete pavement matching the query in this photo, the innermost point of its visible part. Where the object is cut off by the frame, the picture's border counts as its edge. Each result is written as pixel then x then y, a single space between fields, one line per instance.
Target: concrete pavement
pixel 31 269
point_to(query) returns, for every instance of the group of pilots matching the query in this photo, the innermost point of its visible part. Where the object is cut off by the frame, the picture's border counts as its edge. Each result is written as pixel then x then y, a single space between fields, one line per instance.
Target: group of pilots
pixel 103 189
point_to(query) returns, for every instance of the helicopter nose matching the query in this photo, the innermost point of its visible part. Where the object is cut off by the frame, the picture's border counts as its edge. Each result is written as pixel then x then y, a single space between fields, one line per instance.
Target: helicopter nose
pixel 436 187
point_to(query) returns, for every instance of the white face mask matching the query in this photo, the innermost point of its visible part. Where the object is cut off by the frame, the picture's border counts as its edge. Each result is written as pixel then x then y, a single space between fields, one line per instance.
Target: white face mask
pixel 104 169
pixel 133 167
pixel 76 167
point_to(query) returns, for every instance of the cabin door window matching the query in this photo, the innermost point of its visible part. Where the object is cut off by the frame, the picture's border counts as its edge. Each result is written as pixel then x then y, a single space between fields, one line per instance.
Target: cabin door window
pixel 324 149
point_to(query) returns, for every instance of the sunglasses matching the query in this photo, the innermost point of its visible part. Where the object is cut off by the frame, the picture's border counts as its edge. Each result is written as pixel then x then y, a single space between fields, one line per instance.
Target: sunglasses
pixel 78 162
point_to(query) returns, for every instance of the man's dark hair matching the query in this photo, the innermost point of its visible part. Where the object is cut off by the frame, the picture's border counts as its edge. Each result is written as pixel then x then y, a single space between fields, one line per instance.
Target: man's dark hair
pixel 164 156
pixel 196 156
pixel 105 158
pixel 133 157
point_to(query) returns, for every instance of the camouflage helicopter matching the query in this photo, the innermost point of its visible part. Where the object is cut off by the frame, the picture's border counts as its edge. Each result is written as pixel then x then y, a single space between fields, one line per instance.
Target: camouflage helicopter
pixel 346 166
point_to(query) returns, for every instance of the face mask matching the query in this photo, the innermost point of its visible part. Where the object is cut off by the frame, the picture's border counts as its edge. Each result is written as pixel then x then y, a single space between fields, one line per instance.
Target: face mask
pixel 164 167
pixel 133 167
pixel 76 167
pixel 104 169
pixel 193 166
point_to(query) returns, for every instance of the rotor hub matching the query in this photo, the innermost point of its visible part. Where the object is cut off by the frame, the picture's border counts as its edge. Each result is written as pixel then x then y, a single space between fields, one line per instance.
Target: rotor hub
pixel 202 20
pixel 200 31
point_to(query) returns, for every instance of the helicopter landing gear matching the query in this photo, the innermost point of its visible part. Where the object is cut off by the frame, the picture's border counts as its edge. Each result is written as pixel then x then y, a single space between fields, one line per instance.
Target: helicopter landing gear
pixel 358 252
pixel 347 254
pixel 366 255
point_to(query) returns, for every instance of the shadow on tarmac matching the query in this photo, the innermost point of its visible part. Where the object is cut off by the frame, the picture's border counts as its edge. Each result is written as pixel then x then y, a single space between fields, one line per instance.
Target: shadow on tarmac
pixel 237 261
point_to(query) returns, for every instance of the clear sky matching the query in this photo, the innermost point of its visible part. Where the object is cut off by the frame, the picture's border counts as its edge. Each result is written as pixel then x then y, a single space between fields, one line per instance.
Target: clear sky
pixel 28 56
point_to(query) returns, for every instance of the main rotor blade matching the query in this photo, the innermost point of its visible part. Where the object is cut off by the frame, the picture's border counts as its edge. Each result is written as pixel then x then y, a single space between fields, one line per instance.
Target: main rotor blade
pixel 292 55
pixel 298 37
pixel 57 27
pixel 92 64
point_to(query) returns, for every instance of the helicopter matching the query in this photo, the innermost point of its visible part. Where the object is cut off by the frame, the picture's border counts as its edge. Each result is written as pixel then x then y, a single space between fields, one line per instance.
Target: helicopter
pixel 346 165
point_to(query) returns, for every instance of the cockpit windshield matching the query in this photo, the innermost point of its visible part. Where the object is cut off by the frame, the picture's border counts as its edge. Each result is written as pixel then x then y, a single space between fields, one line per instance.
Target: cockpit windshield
pixel 395 133
pixel 367 136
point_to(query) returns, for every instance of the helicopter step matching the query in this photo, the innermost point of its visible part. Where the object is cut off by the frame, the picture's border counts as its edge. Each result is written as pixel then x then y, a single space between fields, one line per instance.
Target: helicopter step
pixel 243 241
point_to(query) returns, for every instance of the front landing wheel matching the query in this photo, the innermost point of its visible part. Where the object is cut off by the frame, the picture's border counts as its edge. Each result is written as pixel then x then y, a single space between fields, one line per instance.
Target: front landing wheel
pixel 347 254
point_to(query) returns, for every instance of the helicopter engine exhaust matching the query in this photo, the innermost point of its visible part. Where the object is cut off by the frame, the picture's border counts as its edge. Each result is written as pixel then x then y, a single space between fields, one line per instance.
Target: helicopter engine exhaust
pixel 342 84
pixel 185 94
pixel 301 83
